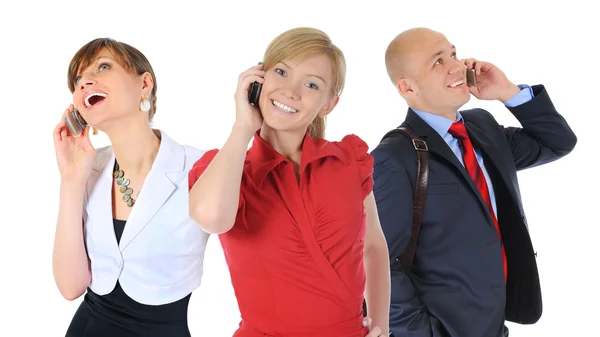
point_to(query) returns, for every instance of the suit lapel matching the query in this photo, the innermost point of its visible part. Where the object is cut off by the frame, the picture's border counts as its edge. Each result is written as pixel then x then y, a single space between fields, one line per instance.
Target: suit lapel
pixel 157 188
pixel 437 145
pixel 489 151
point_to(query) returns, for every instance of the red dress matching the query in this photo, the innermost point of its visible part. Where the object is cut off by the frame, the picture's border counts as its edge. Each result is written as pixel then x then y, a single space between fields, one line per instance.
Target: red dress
pixel 295 252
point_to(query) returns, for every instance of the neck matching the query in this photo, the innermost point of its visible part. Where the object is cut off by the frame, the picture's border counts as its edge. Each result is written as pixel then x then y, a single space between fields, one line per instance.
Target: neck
pixel 449 113
pixel 135 147
pixel 287 143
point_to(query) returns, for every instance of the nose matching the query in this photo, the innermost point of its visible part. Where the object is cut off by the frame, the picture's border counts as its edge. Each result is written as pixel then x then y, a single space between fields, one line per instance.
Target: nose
pixel 290 90
pixel 455 67
pixel 86 80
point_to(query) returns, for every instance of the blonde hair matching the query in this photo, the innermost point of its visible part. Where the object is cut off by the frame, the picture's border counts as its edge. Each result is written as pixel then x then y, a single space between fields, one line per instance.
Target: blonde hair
pixel 303 41
pixel 127 56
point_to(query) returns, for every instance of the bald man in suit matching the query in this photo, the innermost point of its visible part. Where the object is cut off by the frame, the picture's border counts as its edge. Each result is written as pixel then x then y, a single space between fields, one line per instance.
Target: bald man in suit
pixel 474 265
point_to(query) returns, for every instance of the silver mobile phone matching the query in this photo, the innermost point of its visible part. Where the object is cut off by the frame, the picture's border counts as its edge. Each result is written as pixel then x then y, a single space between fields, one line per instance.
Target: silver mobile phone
pixel 75 123
pixel 471 79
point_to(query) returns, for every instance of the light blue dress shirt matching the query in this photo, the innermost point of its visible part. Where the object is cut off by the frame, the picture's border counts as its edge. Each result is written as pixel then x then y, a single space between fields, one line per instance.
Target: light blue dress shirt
pixel 442 124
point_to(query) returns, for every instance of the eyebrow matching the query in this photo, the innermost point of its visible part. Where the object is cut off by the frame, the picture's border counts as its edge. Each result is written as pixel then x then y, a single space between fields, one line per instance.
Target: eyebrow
pixel 103 58
pixel 313 75
pixel 441 52
pixel 95 61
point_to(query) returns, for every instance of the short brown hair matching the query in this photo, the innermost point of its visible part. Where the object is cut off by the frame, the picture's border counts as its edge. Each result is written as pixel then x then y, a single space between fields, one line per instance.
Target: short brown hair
pixel 300 42
pixel 127 56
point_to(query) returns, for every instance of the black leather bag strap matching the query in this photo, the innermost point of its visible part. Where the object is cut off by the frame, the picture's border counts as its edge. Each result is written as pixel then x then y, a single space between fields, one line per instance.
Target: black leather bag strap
pixel 420 195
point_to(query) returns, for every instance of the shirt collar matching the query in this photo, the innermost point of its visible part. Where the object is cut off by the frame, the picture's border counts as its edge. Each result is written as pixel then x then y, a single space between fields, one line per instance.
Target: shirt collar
pixel 263 158
pixel 440 124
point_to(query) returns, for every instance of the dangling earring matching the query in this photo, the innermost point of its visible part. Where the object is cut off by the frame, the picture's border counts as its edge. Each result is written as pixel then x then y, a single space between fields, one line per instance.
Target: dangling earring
pixel 94 131
pixel 145 104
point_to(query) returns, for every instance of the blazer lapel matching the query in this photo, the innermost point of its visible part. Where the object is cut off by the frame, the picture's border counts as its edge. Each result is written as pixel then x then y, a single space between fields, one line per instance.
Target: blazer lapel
pixel 99 207
pixel 489 151
pixel 437 145
pixel 157 188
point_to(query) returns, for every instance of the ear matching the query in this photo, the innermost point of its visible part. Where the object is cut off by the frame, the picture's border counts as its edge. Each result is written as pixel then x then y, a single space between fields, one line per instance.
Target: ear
pixel 329 106
pixel 147 83
pixel 407 88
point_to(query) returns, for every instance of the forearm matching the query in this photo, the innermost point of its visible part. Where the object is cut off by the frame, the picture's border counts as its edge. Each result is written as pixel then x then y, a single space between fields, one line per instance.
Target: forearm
pixel 377 290
pixel 545 135
pixel 70 263
pixel 214 198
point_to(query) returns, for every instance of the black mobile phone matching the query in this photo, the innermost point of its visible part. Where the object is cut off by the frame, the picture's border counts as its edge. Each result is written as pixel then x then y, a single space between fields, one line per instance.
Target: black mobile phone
pixel 75 123
pixel 254 93
pixel 471 79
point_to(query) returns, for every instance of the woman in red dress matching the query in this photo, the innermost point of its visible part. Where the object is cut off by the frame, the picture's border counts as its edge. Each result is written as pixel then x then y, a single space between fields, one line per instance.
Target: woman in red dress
pixel 295 213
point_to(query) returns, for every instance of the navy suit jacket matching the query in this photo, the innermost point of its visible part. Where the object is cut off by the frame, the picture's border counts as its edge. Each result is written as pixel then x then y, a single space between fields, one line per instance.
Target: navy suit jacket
pixel 456 285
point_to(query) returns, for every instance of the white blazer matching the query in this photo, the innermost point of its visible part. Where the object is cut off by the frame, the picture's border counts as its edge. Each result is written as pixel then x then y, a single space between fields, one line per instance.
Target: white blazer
pixel 159 258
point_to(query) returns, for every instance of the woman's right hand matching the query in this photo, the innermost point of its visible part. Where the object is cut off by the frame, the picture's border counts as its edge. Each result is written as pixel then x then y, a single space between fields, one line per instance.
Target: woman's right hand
pixel 248 117
pixel 74 154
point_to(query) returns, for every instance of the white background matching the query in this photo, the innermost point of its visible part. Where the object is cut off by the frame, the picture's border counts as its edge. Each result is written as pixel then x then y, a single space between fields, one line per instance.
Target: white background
pixel 198 50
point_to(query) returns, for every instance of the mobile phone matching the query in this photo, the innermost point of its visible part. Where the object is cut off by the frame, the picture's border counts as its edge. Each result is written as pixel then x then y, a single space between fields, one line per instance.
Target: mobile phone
pixel 75 123
pixel 471 79
pixel 254 93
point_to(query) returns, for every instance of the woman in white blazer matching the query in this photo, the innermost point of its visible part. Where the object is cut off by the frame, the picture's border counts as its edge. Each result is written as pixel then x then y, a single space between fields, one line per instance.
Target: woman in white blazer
pixel 124 236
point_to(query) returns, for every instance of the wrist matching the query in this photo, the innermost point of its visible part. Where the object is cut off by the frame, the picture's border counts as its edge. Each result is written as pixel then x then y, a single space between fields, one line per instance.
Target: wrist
pixel 383 325
pixel 511 90
pixel 72 186
pixel 242 132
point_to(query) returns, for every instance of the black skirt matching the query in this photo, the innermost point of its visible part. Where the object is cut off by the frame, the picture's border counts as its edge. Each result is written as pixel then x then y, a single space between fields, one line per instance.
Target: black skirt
pixel 117 315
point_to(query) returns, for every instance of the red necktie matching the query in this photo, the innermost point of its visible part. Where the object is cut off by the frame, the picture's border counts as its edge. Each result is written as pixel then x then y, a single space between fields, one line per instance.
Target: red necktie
pixel 458 130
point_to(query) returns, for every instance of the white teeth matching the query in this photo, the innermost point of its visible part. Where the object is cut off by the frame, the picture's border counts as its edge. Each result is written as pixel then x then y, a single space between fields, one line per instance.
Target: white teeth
pixel 87 99
pixel 455 84
pixel 284 107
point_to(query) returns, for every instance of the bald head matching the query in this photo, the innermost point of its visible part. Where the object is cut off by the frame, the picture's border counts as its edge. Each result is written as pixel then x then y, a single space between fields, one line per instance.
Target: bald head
pixel 404 49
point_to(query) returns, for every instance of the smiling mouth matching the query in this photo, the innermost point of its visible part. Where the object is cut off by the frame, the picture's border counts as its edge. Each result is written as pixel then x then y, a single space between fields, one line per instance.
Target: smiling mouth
pixel 93 99
pixel 456 84
pixel 284 107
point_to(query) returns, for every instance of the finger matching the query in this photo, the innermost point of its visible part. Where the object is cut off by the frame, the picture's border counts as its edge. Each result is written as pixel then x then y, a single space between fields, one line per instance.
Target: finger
pixel 68 110
pixel 259 73
pixel 256 70
pixel 63 133
pixel 367 321
pixel 375 332
pixel 252 79
pixel 478 67
pixel 472 63
pixel 474 90
pixel 64 115
pixel 464 61
pixel 59 133
pixel 484 67
pixel 58 127
pixel 56 134
pixel 62 123
pixel 244 87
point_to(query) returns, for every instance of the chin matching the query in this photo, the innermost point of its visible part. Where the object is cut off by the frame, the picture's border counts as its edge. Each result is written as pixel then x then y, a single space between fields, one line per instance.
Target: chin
pixel 278 121
pixel 276 124
pixel 462 99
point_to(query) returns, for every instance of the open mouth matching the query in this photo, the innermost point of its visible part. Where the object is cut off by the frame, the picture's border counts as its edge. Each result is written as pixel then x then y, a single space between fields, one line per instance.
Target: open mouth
pixel 93 99
pixel 456 84
pixel 283 107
